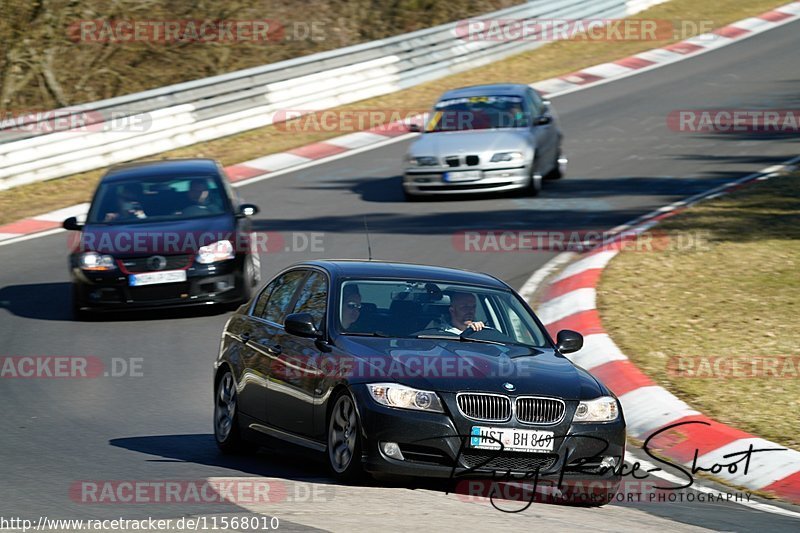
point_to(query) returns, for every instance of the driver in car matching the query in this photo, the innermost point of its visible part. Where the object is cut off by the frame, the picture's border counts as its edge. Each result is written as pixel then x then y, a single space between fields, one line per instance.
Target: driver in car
pixel 462 314
pixel 351 306
pixel 199 197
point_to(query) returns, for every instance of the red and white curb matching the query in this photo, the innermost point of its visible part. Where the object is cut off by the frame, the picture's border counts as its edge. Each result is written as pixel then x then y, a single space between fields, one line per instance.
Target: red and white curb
pixel 672 53
pixel 298 158
pixel 569 302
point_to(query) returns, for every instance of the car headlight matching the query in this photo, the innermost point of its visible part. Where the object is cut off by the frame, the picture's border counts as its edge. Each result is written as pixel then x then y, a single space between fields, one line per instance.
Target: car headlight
pixel 603 409
pixel 423 161
pixel 218 251
pixel 402 397
pixel 95 261
pixel 509 157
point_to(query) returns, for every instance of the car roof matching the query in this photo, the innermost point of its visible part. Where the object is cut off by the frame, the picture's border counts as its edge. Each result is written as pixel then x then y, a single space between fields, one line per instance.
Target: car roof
pixel 352 268
pixel 496 89
pixel 167 167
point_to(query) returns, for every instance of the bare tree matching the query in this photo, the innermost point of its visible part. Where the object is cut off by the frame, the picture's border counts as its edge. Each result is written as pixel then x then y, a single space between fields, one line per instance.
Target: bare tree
pixel 46 62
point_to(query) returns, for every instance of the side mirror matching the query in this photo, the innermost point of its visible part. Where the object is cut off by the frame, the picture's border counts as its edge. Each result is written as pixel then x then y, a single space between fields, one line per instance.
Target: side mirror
pixel 569 341
pixel 413 127
pixel 301 325
pixel 71 224
pixel 248 210
pixel 542 120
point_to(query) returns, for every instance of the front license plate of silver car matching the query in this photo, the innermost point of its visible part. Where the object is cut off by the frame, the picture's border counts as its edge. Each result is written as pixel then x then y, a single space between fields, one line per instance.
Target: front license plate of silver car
pixel 465 175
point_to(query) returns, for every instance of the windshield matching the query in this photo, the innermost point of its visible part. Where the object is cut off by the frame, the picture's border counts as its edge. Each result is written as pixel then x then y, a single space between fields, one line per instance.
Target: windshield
pixel 478 113
pixel 157 199
pixel 419 309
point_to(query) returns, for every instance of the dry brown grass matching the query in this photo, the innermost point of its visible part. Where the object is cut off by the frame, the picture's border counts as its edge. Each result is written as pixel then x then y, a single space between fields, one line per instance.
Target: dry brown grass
pixel 733 299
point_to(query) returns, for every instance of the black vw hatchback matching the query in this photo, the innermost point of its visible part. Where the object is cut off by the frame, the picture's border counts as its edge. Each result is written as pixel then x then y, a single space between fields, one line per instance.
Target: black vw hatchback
pixel 412 370
pixel 162 234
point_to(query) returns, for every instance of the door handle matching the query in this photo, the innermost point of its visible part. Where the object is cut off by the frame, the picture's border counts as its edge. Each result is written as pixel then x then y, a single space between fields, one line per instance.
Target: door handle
pixel 275 349
pixel 245 337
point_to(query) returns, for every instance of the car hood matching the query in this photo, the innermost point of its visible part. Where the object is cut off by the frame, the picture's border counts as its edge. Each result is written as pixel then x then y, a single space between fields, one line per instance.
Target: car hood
pixel 474 141
pixel 453 366
pixel 169 237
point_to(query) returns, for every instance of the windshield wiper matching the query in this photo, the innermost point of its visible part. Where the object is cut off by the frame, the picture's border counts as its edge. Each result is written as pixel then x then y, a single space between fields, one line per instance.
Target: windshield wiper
pixel 368 334
pixel 461 338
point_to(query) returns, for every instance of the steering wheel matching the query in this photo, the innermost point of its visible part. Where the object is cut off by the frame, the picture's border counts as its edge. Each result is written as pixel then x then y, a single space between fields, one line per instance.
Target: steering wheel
pixel 487 333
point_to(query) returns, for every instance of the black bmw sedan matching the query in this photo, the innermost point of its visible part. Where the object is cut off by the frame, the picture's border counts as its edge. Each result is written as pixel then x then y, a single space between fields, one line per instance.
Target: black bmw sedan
pixel 412 370
pixel 162 234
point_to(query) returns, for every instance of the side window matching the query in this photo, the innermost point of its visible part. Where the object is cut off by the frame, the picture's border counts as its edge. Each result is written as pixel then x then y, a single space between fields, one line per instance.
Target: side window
pixel 278 304
pixel 313 298
pixel 534 102
pixel 261 302
pixel 229 191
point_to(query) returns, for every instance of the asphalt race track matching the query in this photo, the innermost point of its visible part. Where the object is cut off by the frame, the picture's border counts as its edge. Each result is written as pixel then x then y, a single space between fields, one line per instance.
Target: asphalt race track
pixel 624 162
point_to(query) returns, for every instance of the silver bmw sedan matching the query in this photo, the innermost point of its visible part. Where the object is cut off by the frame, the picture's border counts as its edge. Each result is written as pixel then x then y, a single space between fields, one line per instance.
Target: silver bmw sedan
pixel 486 138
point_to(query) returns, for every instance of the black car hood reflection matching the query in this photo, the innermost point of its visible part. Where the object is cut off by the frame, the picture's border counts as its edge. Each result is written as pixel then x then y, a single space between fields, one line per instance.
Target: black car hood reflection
pixel 168 237
pixel 452 366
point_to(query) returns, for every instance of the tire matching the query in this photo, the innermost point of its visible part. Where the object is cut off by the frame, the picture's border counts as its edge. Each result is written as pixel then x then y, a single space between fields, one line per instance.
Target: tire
pixel 411 197
pixel 250 279
pixel 255 260
pixel 344 440
pixel 534 183
pixel 227 432
pixel 555 173
pixel 78 314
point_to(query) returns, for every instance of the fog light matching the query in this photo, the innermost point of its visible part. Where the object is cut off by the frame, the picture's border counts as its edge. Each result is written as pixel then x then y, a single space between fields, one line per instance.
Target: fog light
pixel 608 462
pixel 392 450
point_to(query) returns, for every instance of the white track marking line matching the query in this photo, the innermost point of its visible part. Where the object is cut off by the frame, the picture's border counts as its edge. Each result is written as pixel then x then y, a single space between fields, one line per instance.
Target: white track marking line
pixel 530 286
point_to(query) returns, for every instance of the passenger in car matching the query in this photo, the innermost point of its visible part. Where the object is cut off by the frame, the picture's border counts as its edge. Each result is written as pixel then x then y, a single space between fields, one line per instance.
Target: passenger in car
pixel 129 203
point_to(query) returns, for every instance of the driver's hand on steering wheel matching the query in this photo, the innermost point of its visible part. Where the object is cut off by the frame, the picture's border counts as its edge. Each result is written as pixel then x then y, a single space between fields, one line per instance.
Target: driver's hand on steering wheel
pixel 477 326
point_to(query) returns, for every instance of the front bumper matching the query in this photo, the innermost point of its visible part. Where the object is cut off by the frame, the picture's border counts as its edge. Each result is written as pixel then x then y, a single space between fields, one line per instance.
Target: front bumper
pixel 216 283
pixel 432 182
pixel 438 445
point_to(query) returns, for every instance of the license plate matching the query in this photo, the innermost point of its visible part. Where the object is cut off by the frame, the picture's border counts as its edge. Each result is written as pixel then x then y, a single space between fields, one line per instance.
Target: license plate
pixel 466 175
pixel 512 439
pixel 152 278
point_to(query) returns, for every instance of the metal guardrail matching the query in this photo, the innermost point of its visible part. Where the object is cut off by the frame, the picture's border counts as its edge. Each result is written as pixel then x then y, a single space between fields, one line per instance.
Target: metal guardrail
pixel 187 113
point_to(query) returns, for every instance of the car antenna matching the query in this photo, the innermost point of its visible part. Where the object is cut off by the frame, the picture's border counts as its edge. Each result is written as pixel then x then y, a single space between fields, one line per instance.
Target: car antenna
pixel 366 231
